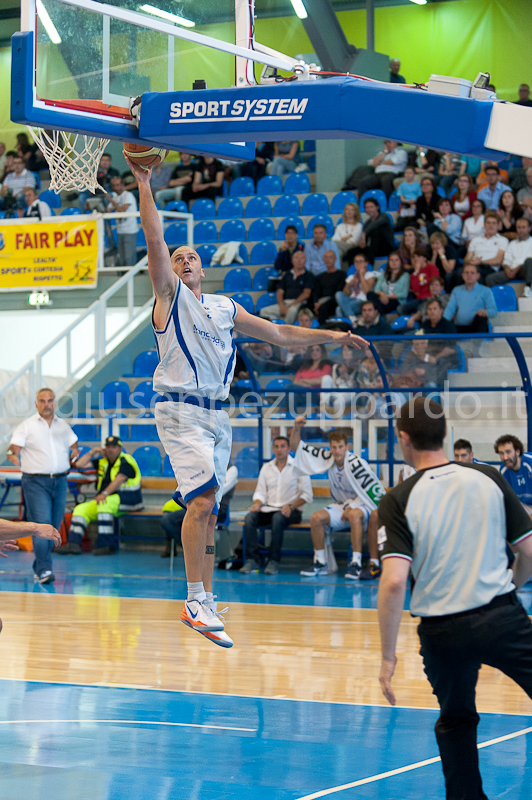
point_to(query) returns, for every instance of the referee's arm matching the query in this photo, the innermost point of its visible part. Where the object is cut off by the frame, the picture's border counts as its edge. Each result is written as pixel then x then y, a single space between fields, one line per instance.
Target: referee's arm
pixel 390 605
pixel 522 566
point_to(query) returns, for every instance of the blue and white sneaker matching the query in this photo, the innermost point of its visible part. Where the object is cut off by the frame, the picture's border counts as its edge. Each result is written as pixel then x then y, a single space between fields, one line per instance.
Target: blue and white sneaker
pixel 353 571
pixel 45 577
pixel 217 637
pixel 317 569
pixel 199 617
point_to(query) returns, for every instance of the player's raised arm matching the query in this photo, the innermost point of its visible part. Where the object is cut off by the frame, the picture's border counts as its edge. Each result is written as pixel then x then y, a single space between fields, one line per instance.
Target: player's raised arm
pixel 290 335
pixel 295 436
pixel 159 264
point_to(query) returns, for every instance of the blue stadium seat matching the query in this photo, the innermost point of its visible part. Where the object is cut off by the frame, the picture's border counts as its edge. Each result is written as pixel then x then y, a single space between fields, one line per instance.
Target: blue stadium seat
pixel 261 229
pixel 277 322
pixel 145 364
pixel 462 364
pixel 177 205
pixel 262 277
pixel 270 184
pixel 148 459
pixel 340 200
pixel 206 252
pixel 168 472
pixel 375 194
pixel 115 395
pixel 394 201
pixel 246 434
pixel 297 221
pixel 441 191
pixel 247 461
pixel 204 209
pixel 243 253
pixel 351 270
pixel 143 395
pixel 263 253
pixel 311 163
pixel 277 384
pixel 70 211
pixel 86 433
pixel 400 323
pixel 297 183
pixel 204 232
pixel 144 433
pixel 259 206
pixel 245 300
pixel 266 299
pixel 309 146
pixel 233 230
pixel 237 280
pixel 286 204
pixel 176 234
pixel 505 298
pixel 37 180
pixel 242 187
pixel 52 198
pixel 315 204
pixel 231 208
pixel 321 219
pixel 123 430
pixel 313 324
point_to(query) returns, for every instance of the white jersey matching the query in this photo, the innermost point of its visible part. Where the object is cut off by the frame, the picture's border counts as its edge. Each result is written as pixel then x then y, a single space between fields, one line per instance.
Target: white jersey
pixel 341 491
pixel 196 349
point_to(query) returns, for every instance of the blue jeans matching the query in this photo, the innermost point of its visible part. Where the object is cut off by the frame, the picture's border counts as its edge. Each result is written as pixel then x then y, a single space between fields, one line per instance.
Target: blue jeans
pixel 281 165
pixel 45 501
pixel 349 306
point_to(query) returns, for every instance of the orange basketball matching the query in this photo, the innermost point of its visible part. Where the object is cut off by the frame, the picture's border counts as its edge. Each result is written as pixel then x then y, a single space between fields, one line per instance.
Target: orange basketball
pixel 144 155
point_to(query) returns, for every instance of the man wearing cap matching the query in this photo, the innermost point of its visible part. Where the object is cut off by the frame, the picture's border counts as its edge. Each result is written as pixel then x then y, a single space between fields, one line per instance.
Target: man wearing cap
pixel 119 490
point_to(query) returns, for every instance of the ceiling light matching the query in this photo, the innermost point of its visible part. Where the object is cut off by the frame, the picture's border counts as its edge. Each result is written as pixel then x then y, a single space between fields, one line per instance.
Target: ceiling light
pixel 419 2
pixel 158 12
pixel 47 23
pixel 299 8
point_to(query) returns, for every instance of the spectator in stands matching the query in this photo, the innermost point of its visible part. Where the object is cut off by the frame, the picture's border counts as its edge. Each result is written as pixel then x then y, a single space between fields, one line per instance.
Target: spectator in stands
pixel 2 159
pixel 509 212
pixel 487 252
pixel 314 367
pixel 524 195
pixel 371 323
pixel 464 196
pixel 443 254
pixel 8 164
pixel 377 238
pixel 342 377
pixel 127 227
pixel 316 249
pixel 387 165
pixel 392 287
pixel 118 489
pixel 87 201
pixel 471 305
pixel 263 357
pixel 443 352
pixel 447 221
pixel 207 181
pixel 356 288
pixel 491 194
pixel 474 225
pixel 518 174
pixel 419 283
pixel 278 499
pixel 517 261
pixel 305 317
pixel 436 289
pixel 395 66
pixel 418 366
pixel 448 171
pixel 35 160
pixel 291 244
pixel 160 176
pixel 34 206
pixel 424 162
pixel 285 158
pixel 255 169
pixel 16 182
pixel 524 95
pixel 471 166
pixel 408 190
pixel 427 204
pixel 326 285
pixel 463 452
pixel 482 178
pixel 411 242
pixel 181 176
pixel 348 231
pixel 295 288
pixel 23 146
pixel 516 467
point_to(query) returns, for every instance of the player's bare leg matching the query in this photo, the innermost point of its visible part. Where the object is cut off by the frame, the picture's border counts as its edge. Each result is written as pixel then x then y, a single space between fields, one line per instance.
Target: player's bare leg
pixel 219 637
pixel 317 531
pixel 373 570
pixel 355 517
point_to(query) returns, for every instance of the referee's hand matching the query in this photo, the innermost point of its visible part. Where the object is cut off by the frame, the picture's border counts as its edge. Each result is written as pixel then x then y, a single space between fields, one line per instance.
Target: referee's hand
pixel 47 532
pixel 385 679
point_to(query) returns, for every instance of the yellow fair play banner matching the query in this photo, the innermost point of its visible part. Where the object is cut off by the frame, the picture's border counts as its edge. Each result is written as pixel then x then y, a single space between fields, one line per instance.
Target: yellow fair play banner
pixel 48 255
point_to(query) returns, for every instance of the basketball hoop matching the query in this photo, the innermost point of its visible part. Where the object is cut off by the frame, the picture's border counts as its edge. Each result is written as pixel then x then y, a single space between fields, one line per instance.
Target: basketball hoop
pixel 73 158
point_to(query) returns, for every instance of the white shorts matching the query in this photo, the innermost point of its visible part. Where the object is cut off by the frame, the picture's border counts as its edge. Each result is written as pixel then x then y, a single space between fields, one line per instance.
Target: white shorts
pixel 198 443
pixel 336 510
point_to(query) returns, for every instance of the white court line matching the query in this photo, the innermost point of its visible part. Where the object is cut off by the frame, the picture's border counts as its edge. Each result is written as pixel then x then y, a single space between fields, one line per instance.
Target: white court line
pixel 126 722
pixel 408 768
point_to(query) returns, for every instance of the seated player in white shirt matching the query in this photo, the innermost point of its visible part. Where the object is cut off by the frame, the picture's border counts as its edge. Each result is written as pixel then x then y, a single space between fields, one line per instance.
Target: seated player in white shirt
pixel 355 490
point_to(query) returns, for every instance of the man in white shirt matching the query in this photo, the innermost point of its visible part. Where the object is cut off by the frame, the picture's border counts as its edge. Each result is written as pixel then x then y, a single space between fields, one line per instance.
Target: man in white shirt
pixel 127 227
pixel 17 180
pixel 43 442
pixel 281 491
pixel 487 252
pixel 517 262
pixel 388 164
pixel 35 207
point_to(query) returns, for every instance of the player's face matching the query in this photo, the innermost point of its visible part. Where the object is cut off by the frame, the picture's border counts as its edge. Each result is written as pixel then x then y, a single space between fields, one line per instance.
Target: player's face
pixel 186 264
pixel 339 449
pixel 463 456
pixel 509 456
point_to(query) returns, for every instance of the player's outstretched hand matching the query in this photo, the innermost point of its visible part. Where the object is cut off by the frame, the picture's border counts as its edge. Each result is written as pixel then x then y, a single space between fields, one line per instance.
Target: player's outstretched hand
pixel 9 546
pixel 142 174
pixel 47 532
pixel 351 339
pixel 385 679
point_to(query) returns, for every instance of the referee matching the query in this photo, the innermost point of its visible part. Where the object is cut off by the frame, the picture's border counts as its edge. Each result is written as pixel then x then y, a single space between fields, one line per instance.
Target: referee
pixel 43 442
pixel 449 524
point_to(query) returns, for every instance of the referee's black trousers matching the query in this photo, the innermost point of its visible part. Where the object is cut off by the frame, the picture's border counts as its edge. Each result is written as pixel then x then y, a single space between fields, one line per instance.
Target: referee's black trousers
pixel 453 649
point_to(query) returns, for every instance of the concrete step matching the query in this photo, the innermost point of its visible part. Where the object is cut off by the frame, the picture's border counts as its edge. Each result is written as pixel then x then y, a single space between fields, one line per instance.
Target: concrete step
pixel 496 366
pixel 524 303
pixel 521 317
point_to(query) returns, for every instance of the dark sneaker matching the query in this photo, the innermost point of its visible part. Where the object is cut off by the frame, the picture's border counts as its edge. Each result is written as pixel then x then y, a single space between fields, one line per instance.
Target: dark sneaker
pixel 371 572
pixel 68 549
pixel 45 577
pixel 317 569
pixel 104 551
pixel 353 572
pixel 272 568
pixel 250 567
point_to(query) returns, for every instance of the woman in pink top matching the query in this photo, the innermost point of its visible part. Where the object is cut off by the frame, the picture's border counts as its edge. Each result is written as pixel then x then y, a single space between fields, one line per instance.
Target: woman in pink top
pixel 313 368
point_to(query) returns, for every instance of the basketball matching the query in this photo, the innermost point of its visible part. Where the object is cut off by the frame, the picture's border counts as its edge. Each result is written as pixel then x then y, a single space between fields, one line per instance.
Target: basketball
pixel 144 155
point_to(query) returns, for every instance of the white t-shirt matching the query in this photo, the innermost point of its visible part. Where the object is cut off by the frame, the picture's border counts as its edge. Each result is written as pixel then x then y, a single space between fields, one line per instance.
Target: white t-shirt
pixel 353 231
pixel 473 228
pixel 517 253
pixel 361 295
pixel 125 224
pixel 486 249
pixel 45 448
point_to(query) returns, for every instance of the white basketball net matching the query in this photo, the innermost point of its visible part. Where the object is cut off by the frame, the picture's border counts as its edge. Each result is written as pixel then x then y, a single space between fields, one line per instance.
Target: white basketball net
pixel 73 158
